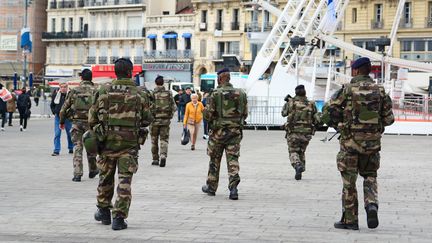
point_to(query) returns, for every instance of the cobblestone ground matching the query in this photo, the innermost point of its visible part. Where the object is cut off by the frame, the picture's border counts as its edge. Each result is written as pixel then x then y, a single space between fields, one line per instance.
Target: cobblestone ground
pixel 40 203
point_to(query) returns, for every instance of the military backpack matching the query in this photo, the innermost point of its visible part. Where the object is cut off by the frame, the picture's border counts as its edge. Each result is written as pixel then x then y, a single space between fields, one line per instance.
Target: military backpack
pixel 83 100
pixel 162 108
pixel 301 116
pixel 230 103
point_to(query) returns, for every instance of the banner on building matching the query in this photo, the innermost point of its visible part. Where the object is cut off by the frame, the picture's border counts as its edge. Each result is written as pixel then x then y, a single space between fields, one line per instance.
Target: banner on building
pixel 8 43
pixel 167 66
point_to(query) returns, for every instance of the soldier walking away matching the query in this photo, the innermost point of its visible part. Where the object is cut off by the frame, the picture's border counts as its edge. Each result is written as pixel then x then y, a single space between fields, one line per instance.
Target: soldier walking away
pixel 163 110
pixel 75 108
pixel 300 127
pixel 226 112
pixel 359 111
pixel 118 114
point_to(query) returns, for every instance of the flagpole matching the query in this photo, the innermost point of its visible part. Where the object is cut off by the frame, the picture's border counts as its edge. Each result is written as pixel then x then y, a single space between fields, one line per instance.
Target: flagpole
pixel 24 51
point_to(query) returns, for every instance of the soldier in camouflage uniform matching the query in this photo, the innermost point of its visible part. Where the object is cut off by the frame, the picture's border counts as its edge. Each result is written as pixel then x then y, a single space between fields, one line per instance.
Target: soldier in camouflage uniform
pixel 118 115
pixel 163 110
pixel 75 108
pixel 359 111
pixel 300 126
pixel 226 112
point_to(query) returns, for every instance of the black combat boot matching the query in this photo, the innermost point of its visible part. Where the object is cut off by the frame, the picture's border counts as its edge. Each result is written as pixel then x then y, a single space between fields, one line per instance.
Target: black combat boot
pixel 76 178
pixel 155 162
pixel 233 194
pixel 119 224
pixel 206 189
pixel 342 225
pixel 103 215
pixel 93 174
pixel 372 215
pixel 162 162
pixel 299 170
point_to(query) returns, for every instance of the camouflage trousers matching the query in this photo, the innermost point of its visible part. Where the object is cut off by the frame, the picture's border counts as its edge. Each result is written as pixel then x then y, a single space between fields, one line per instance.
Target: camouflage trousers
pixel 77 131
pixel 127 165
pixel 227 139
pixel 159 132
pixel 350 164
pixel 297 144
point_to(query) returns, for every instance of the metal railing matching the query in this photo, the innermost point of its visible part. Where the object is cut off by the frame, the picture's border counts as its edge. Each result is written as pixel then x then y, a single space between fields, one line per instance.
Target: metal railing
pixel 53 5
pixel 66 4
pixel 102 3
pixel 428 22
pixel 377 24
pixel 235 25
pixel 113 59
pixel 115 34
pixel 138 60
pixel 256 27
pixel 265 111
pixel 406 23
pixel 64 35
pixel 413 109
pixel 218 26
pixel 103 59
pixel 91 60
pixel 169 54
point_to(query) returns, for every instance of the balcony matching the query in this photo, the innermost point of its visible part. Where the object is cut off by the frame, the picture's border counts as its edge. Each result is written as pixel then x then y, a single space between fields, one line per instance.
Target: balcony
pixel 406 23
pixel 64 35
pixel 66 4
pixel 91 60
pixel 113 59
pixel 218 26
pixel 116 34
pixel 103 60
pixel 429 22
pixel 168 55
pixel 53 5
pixel 256 27
pixel 138 60
pixel 377 24
pixel 235 26
pixel 111 3
pixel 171 20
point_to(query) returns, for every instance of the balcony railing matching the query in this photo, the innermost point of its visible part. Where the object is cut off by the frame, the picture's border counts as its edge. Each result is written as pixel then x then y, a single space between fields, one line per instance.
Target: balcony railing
pixel 53 5
pixel 235 25
pixel 115 34
pixel 113 59
pixel 138 60
pixel 406 23
pixel 178 19
pixel 256 27
pixel 103 60
pixel 218 26
pixel 64 35
pixel 66 4
pixel 377 24
pixel 429 22
pixel 91 60
pixel 168 55
pixel 102 3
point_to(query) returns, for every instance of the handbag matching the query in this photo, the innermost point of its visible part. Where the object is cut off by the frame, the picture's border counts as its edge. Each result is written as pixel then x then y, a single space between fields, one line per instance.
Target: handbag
pixel 28 113
pixel 185 136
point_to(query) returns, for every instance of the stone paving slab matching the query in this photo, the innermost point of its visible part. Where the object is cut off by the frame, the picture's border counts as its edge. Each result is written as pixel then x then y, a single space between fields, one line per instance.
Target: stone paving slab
pixel 40 203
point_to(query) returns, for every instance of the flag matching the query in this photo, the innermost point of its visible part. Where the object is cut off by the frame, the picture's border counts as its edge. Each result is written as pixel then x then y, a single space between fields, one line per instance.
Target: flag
pixel 26 40
pixel 331 17
pixel 31 80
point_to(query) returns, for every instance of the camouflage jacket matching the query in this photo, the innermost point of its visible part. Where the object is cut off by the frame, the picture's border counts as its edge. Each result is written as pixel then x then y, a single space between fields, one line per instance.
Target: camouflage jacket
pixel 302 115
pixel 68 110
pixel 226 107
pixel 163 107
pixel 360 111
pixel 118 114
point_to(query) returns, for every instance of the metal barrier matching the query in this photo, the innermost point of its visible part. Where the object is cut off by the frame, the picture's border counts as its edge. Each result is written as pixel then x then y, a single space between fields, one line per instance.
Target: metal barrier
pixel 413 109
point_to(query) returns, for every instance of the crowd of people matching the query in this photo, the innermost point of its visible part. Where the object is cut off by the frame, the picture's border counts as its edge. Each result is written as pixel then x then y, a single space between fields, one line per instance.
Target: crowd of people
pixel 11 102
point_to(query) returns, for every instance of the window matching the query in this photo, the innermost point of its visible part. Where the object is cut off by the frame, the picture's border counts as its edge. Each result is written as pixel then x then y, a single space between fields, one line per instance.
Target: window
pixel 219 16
pixel 406 45
pixel 10 22
pixel 236 15
pixel 187 43
pixel 203 48
pixel 171 43
pixel 81 24
pixel 419 45
pixel 430 45
pixel 430 11
pixel 354 15
pixel 103 51
pixel 126 51
pixel 52 55
pixel 92 51
pixel 165 12
pixel 204 16
pixel 370 45
pixel 153 44
pixel 70 24
pixel 266 17
pixel 115 50
pixel 139 51
pixel 63 24
pixel 378 12
pixel 407 13
pixel 53 25
pixel 71 54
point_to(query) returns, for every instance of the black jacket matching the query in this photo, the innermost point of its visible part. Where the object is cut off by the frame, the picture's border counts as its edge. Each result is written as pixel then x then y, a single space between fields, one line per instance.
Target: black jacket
pixel 184 99
pixel 3 107
pixel 23 102
pixel 55 108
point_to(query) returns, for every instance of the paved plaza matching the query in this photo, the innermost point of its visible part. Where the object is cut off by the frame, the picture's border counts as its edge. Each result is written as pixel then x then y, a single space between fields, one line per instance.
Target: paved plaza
pixel 40 203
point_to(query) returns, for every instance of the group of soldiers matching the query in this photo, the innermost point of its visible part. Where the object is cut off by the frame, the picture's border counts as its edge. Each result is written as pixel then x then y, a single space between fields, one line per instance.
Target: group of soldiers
pixel 112 122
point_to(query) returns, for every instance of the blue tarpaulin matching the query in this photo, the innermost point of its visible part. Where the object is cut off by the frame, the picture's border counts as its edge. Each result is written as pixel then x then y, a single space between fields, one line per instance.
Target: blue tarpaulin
pixel 169 36
pixel 152 36
pixel 187 35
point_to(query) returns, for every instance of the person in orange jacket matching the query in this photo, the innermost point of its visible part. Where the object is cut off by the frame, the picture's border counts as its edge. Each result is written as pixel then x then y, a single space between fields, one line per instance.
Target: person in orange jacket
pixel 193 117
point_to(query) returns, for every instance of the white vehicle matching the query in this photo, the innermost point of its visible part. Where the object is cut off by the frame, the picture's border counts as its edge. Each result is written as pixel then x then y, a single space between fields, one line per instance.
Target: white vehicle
pixel 209 81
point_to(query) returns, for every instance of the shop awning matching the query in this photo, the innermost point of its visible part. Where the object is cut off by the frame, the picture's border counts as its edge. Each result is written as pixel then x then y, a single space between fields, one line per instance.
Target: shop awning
pixel 187 35
pixel 169 36
pixel 152 36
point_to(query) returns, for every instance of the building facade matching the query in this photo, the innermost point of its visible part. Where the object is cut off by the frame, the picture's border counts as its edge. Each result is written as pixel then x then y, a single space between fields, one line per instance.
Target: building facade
pixel 11 22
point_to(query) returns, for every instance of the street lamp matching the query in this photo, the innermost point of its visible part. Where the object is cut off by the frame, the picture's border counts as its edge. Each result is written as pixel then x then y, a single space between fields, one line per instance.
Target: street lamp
pixel 382 43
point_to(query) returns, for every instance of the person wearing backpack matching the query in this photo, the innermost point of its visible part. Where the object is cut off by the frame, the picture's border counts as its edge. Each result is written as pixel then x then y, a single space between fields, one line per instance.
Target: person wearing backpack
pixel 24 106
pixel 359 111
pixel 226 112
pixel 163 110
pixel 76 108
pixel 300 127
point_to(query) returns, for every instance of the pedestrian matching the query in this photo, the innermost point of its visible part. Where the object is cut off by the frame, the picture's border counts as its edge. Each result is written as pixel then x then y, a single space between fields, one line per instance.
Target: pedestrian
pixel 3 110
pixel 226 111
pixel 11 107
pixel 300 127
pixel 359 111
pixel 163 110
pixel 185 98
pixel 205 123
pixel 193 117
pixel 58 98
pixel 24 106
pixel 36 95
pixel 179 108
pixel 76 108
pixel 118 114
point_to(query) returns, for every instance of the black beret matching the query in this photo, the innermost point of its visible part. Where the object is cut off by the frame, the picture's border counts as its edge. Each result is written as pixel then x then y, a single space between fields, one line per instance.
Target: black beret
pixel 223 70
pixel 158 77
pixel 301 86
pixel 360 62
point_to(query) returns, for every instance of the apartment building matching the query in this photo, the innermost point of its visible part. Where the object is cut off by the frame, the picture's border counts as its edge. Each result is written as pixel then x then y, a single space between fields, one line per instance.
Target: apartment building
pixel 11 23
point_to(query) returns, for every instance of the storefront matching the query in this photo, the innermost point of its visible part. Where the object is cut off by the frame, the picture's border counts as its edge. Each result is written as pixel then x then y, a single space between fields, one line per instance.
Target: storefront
pixel 107 71
pixel 181 72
